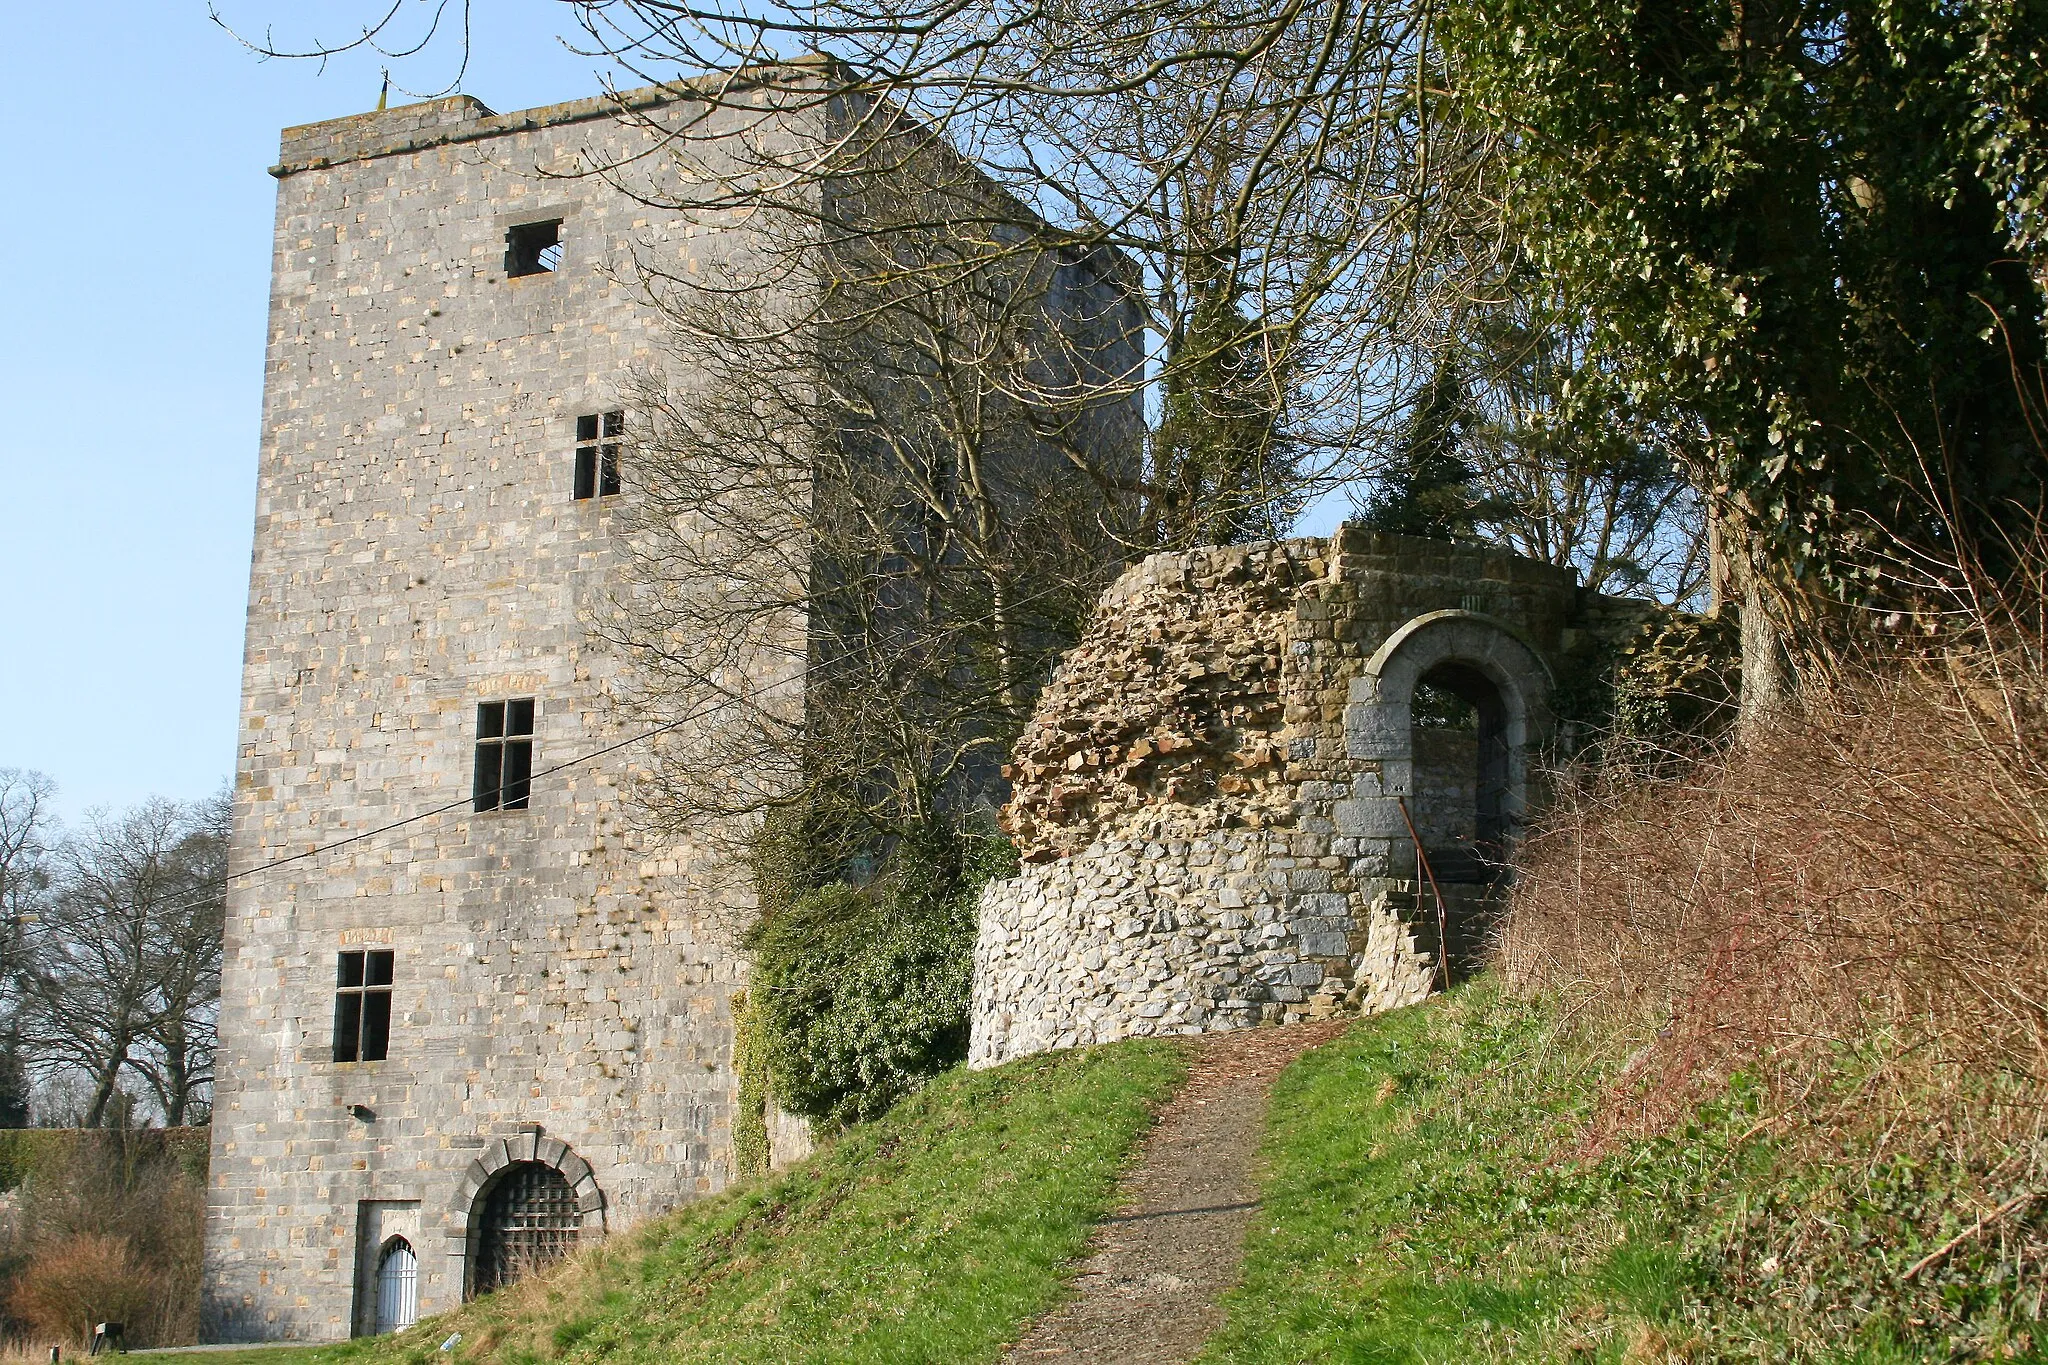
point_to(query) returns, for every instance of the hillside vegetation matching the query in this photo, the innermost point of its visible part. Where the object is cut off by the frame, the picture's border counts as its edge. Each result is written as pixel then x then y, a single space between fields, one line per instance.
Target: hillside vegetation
pixel 1433 1197
pixel 1759 1074
pixel 928 1235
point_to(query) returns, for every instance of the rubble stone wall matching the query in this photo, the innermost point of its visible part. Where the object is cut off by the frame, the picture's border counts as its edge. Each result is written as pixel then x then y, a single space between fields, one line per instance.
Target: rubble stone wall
pixel 1208 802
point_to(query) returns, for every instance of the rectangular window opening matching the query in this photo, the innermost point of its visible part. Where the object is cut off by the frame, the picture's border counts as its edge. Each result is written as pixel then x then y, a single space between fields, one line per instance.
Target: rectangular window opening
pixel 533 248
pixel 362 1005
pixel 597 454
pixel 504 754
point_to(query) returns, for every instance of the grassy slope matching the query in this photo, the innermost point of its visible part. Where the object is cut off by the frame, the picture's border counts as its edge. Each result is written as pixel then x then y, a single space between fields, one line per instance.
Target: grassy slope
pixel 929 1235
pixel 1428 1199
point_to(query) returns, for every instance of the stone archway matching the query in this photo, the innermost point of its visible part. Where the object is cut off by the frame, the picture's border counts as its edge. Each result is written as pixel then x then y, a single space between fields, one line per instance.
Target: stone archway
pixel 1486 662
pixel 1471 648
pixel 1211 799
pixel 530 1159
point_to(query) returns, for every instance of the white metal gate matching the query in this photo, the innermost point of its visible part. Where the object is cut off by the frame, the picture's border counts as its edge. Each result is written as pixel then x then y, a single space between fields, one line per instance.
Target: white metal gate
pixel 398 1280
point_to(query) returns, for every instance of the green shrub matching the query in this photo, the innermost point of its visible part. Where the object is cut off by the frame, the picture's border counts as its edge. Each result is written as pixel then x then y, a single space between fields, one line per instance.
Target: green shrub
pixel 1674 683
pixel 1657 691
pixel 24 1152
pixel 860 993
pixel 861 1002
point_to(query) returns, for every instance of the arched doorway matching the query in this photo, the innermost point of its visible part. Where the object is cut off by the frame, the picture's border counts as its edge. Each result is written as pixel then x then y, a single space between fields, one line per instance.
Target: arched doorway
pixel 528 1220
pixel 1459 785
pixel 1447 712
pixel 524 1201
pixel 398 1286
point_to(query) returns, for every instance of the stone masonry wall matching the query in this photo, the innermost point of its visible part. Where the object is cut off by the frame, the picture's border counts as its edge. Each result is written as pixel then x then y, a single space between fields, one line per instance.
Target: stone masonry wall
pixel 561 989
pixel 1201 850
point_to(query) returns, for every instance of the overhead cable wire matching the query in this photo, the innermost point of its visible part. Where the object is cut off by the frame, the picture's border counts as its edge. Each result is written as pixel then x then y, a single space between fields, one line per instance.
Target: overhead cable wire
pixel 415 818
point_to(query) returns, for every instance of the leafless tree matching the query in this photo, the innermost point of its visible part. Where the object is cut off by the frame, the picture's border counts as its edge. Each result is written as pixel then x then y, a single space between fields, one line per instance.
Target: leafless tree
pixel 25 819
pixel 878 479
pixel 1294 197
pixel 124 974
pixel 185 972
pixel 873 486
pixel 26 832
pixel 1025 290
pixel 1601 497
pixel 1568 469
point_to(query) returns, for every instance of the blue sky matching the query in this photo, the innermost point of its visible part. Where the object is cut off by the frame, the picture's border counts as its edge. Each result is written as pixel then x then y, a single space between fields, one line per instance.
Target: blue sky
pixel 136 226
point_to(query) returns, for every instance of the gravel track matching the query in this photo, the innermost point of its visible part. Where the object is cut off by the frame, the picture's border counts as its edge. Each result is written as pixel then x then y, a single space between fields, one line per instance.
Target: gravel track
pixel 1147 1294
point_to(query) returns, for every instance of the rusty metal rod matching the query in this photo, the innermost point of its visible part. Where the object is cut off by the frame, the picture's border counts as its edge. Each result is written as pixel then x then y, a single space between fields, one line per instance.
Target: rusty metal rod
pixel 1443 931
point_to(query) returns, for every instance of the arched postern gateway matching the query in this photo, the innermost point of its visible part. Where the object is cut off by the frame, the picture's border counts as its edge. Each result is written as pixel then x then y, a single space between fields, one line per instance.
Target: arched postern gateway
pixel 1507 684
pixel 565 1190
pixel 1206 847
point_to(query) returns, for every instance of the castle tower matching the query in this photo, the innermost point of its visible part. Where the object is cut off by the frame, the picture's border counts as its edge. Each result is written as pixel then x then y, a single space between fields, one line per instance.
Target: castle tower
pixel 466 1018
pixel 497 1010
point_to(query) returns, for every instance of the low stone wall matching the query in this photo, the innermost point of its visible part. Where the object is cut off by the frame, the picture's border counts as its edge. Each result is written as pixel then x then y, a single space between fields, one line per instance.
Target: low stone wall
pixel 1222 931
pixel 1205 846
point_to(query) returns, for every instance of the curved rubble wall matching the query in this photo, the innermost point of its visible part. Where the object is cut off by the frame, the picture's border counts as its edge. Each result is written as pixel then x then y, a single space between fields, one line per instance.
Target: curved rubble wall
pixel 1182 796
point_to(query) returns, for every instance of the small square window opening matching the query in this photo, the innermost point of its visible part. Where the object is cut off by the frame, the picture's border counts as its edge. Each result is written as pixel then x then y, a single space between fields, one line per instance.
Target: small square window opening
pixel 533 248
pixel 597 454
pixel 504 754
pixel 362 1005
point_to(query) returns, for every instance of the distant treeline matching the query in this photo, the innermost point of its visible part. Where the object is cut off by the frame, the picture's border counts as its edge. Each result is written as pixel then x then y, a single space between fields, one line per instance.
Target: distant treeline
pixel 25 1152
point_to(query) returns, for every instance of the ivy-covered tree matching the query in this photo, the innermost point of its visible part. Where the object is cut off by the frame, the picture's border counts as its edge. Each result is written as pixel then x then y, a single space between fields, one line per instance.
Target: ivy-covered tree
pixel 1223 469
pixel 1797 228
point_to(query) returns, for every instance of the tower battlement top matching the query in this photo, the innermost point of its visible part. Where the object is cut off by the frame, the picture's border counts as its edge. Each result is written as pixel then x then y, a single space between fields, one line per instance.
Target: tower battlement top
pixel 464 118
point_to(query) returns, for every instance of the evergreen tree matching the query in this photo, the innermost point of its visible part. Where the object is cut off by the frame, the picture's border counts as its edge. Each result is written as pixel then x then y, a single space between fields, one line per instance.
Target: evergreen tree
pixel 1222 468
pixel 1430 488
pixel 14 1086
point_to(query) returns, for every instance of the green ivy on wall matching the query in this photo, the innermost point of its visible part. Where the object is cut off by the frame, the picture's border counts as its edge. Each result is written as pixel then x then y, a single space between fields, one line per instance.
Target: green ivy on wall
pixel 859 993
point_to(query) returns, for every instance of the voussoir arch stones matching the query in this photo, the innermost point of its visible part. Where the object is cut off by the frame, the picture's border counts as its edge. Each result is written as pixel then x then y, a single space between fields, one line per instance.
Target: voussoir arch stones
pixel 1378 717
pixel 501 1154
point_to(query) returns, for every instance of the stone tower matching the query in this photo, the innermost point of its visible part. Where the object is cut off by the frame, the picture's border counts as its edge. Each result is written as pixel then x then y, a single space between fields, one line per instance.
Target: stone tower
pixel 471 1019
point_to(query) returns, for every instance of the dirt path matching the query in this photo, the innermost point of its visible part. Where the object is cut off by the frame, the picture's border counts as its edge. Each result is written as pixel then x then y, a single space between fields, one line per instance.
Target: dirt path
pixel 1148 1293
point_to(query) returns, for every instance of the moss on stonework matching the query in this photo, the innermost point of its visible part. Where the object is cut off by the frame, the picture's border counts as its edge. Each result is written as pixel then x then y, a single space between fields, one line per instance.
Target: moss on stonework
pixel 750 1149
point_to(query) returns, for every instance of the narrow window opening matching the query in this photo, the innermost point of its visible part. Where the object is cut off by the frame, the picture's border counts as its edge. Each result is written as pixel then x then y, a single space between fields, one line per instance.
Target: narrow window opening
pixel 597 454
pixel 533 248
pixel 504 754
pixel 362 1005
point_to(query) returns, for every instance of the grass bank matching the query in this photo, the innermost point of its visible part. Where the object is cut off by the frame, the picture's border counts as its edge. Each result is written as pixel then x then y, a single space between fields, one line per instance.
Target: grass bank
pixel 928 1235
pixel 1433 1195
